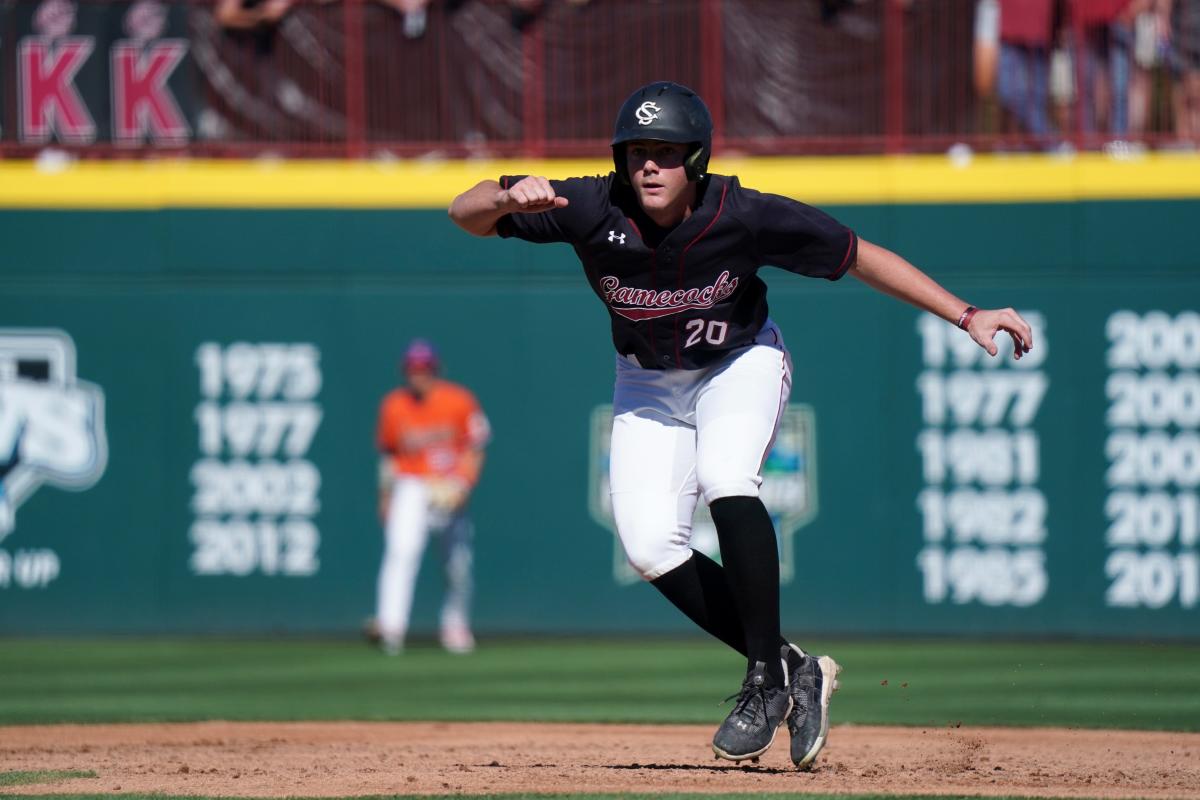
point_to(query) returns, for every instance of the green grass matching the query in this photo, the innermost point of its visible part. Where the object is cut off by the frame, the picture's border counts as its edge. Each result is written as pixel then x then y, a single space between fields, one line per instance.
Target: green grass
pixel 927 683
pixel 24 777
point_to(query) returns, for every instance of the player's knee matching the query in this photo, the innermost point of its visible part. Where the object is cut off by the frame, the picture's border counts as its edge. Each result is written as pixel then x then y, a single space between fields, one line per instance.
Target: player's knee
pixel 652 561
pixel 459 566
pixel 655 530
pixel 403 548
pixel 652 549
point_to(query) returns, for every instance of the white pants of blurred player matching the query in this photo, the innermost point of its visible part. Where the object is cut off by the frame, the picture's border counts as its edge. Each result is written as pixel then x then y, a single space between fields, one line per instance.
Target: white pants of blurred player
pixel 682 434
pixel 412 518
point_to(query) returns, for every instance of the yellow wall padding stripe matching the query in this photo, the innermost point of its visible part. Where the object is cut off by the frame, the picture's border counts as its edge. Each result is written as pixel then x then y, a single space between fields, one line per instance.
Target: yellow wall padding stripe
pixel 432 184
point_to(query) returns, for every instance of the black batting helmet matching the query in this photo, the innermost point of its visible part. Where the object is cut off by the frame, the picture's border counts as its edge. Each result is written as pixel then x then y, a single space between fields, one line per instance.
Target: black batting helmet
pixel 665 112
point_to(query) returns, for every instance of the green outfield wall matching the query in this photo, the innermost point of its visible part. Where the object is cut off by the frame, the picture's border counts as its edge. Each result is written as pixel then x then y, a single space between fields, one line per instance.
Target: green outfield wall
pixel 188 397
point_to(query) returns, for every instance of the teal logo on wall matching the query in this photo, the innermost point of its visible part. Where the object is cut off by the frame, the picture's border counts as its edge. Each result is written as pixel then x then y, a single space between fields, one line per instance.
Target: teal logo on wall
pixel 51 424
pixel 789 489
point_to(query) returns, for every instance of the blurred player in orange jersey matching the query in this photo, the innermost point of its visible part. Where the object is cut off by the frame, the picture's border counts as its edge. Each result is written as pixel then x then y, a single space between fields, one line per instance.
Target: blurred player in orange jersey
pixel 431 437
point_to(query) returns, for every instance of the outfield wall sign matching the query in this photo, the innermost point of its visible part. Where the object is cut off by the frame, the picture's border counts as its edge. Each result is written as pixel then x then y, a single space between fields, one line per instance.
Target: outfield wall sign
pixel 983 513
pixel 51 433
pixel 1153 459
pixel 81 79
pixel 255 492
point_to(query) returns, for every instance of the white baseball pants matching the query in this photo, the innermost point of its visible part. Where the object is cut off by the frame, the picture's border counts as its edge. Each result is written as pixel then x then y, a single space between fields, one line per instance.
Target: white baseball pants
pixel 410 520
pixel 679 434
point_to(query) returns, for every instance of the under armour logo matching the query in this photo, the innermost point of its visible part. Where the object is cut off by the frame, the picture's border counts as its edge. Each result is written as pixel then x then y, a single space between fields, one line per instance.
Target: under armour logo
pixel 619 238
pixel 647 112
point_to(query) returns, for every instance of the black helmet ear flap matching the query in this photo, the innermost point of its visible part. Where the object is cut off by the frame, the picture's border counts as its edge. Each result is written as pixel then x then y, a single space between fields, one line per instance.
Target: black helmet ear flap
pixel 696 164
pixel 619 162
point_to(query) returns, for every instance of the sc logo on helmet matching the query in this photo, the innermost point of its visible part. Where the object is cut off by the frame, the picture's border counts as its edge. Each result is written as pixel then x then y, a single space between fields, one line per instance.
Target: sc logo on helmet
pixel 647 112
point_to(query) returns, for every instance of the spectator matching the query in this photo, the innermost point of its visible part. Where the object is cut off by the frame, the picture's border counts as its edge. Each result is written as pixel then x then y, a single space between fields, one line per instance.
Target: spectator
pixel 1106 54
pixel 431 436
pixel 1182 22
pixel 1148 56
pixel 986 58
pixel 1026 30
pixel 1063 90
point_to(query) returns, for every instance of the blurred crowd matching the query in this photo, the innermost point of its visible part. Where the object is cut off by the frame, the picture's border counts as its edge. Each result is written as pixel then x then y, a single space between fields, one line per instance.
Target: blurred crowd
pixel 1052 74
pixel 479 76
pixel 1100 68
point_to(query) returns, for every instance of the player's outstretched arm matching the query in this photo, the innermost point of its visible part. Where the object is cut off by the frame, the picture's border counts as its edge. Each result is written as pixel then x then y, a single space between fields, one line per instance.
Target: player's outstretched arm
pixel 478 209
pixel 887 272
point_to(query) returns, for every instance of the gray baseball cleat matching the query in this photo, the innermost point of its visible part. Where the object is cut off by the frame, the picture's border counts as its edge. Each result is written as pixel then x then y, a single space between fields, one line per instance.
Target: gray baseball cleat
pixel 810 685
pixel 760 709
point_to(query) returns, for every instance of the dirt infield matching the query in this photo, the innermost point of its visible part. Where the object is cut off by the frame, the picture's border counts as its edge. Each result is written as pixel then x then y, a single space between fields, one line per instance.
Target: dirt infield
pixel 354 758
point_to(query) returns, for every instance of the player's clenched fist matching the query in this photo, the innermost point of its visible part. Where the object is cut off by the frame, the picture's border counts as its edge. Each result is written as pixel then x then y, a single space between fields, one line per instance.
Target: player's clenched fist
pixel 531 195
pixel 478 209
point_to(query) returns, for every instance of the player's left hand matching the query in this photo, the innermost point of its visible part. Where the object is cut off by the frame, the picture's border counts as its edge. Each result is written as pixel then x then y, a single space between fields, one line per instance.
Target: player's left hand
pixel 447 494
pixel 986 323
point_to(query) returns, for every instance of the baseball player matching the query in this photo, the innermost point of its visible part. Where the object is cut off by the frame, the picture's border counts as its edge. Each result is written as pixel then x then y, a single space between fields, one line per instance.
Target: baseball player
pixel 431 437
pixel 703 374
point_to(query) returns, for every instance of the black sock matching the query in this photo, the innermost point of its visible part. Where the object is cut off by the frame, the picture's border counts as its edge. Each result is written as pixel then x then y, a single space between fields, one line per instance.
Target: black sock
pixel 699 589
pixel 751 559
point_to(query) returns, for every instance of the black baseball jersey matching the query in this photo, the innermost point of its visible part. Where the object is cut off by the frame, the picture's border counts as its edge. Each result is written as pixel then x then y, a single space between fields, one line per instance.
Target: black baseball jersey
pixel 682 298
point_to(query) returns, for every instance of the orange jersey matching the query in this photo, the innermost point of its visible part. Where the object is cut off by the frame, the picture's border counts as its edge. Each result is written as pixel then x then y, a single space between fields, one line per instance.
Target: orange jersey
pixel 430 436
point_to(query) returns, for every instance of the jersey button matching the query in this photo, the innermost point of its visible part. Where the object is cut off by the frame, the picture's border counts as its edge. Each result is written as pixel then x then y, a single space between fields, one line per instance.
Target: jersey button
pixel 665 359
